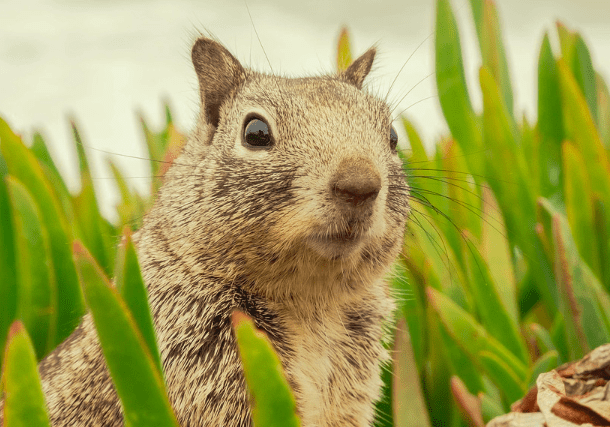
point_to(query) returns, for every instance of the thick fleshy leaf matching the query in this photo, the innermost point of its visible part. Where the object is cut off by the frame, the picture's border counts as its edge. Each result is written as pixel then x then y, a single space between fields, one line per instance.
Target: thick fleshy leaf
pixel 129 283
pixel 584 304
pixel 451 85
pixel 493 314
pixel 471 336
pixel 603 110
pixel 8 278
pixel 417 157
pixel 39 148
pixel 132 207
pixel 576 55
pixel 24 404
pixel 543 338
pixel 579 205
pixel 580 291
pixel 37 289
pixel 490 408
pixel 493 53
pixel 88 216
pixel 469 404
pixel 134 372
pixel 344 52
pixel 601 224
pixel 411 304
pixel 157 145
pixel 495 249
pixel 511 185
pixel 23 165
pixel 502 375
pixel 459 360
pixel 272 400
pixel 550 122
pixel 409 406
pixel 580 129
pixel 545 363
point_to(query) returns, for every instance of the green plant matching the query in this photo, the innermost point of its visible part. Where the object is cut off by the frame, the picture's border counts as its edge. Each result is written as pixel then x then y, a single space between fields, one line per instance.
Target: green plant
pixel 505 271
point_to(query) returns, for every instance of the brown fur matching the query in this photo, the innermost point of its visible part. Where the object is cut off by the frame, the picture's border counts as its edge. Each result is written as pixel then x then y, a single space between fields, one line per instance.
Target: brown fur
pixel 298 236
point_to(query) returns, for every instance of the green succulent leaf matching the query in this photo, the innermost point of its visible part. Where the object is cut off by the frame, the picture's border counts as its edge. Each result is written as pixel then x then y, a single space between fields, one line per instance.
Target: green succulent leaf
pixel 128 281
pixel 24 167
pixel 344 52
pixel 408 404
pixel 37 288
pixel 24 404
pixel 135 374
pixel 472 337
pixel 550 122
pixel 545 363
pixel 8 278
pixel 273 403
pixel 580 129
pixel 452 89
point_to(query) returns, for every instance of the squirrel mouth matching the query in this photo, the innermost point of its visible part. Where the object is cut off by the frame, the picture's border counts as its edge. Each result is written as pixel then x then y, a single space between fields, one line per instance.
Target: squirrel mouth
pixel 336 244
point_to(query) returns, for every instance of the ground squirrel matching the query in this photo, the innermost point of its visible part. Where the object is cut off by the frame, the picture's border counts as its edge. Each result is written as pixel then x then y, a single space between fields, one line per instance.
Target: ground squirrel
pixel 289 203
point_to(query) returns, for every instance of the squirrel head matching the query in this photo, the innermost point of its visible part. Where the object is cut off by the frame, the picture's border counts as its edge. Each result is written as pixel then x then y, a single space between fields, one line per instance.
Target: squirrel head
pixel 287 184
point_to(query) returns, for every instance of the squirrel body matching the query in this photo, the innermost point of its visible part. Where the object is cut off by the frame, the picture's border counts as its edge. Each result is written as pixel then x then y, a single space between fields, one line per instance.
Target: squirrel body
pixel 294 223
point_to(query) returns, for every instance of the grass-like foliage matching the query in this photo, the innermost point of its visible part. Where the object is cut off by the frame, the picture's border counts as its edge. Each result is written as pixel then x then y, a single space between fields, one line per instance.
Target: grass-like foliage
pixel 505 271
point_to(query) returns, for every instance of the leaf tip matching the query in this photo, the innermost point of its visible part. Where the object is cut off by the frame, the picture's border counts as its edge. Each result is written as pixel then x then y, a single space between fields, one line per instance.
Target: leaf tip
pixel 238 317
pixel 78 248
pixel 15 328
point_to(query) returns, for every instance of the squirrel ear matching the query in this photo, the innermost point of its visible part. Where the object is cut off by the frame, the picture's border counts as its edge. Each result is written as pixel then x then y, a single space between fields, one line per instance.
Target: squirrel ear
pixel 219 73
pixel 359 69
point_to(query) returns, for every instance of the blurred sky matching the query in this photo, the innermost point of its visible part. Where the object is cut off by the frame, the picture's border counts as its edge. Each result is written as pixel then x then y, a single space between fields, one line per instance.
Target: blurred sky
pixel 101 60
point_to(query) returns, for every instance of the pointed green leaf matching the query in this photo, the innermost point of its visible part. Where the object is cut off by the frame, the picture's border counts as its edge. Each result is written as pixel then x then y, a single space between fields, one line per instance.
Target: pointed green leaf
pixel 543 338
pixel 273 403
pixel 409 406
pixel 24 404
pixel 136 378
pixel 584 304
pixel 62 193
pixel 8 278
pixel 550 121
pixel 511 186
pixel 344 52
pixel 495 249
pixel 87 209
pixel 129 283
pixel 493 53
pixel 470 335
pixel 585 74
pixel 37 289
pixel 503 376
pixel 579 205
pixel 459 360
pixel 576 55
pixel 545 363
pixel 490 408
pixel 418 156
pixel 494 316
pixel 601 224
pixel 603 110
pixel 451 85
pixel 23 166
pixel 580 129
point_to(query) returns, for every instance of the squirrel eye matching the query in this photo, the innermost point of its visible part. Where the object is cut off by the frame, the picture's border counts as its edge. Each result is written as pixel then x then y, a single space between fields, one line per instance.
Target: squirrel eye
pixel 256 134
pixel 393 138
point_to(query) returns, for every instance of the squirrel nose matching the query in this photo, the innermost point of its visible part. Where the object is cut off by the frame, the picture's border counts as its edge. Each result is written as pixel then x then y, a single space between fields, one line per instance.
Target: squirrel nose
pixel 357 182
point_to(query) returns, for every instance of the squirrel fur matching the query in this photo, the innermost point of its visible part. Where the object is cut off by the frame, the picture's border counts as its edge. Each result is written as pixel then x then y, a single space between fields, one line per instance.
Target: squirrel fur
pixel 297 234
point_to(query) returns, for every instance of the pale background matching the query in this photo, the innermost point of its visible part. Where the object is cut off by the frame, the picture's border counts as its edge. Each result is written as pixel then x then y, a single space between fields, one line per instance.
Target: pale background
pixel 101 60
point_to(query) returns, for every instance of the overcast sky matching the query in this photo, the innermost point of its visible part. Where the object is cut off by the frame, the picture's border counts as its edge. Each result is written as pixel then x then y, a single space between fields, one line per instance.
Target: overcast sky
pixel 102 60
